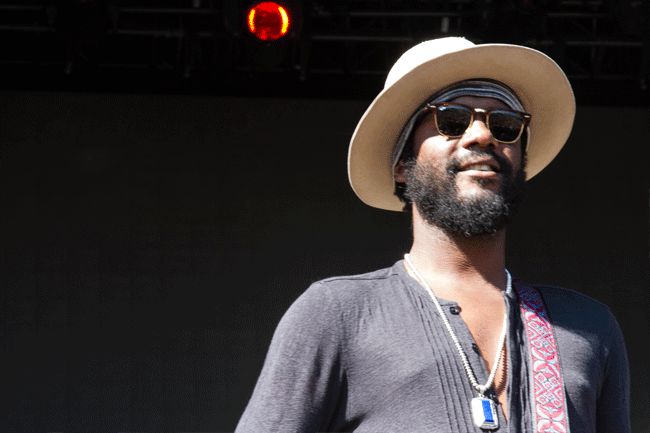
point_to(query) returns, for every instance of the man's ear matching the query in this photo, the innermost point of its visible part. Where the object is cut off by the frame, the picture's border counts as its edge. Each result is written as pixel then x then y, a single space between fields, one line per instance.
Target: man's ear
pixel 400 172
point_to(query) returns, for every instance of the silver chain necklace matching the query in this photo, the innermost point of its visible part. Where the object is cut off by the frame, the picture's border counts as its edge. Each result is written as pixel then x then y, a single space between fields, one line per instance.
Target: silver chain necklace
pixel 483 409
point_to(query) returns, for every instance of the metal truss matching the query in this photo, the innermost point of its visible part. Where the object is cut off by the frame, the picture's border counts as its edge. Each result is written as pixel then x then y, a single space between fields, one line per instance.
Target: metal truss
pixel 342 48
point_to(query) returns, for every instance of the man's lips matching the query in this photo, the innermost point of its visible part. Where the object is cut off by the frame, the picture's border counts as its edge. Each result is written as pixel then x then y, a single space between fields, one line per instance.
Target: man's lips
pixel 487 165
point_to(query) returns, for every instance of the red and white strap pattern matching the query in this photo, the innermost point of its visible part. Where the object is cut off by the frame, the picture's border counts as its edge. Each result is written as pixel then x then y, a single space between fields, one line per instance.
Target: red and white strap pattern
pixel 548 389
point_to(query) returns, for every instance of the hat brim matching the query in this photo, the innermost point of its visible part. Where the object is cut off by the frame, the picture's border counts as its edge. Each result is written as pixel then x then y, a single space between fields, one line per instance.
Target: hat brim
pixel 538 81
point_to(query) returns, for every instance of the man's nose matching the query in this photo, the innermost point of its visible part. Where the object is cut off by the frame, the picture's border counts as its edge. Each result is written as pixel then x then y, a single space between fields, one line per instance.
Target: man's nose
pixel 478 134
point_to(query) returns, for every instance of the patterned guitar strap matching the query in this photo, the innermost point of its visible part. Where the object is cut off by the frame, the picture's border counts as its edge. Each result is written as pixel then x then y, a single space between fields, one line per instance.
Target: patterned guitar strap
pixel 547 390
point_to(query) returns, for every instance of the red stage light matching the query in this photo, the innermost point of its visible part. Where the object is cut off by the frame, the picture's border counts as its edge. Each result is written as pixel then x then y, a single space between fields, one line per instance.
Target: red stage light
pixel 268 21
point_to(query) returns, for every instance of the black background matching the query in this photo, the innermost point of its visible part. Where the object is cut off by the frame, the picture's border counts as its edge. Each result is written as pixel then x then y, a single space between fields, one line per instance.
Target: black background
pixel 150 244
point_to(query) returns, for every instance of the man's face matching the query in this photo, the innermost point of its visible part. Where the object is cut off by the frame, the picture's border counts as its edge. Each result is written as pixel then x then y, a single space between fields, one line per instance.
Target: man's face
pixel 471 185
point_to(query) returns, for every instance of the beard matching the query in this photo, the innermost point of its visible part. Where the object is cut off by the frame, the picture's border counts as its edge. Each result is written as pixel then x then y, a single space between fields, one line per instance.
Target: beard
pixel 434 192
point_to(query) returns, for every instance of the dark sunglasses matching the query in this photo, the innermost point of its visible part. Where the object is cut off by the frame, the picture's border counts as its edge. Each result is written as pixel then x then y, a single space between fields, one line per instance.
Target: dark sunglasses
pixel 452 120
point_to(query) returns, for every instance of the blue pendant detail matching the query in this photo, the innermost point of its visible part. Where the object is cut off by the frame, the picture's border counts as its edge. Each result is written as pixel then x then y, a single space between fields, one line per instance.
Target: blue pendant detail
pixel 484 413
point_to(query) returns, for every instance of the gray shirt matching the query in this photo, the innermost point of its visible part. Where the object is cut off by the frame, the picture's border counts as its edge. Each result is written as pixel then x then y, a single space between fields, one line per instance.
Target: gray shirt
pixel 369 353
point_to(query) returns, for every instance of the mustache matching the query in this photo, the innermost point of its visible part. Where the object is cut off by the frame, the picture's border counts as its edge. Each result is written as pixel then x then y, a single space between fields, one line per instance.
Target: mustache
pixel 454 165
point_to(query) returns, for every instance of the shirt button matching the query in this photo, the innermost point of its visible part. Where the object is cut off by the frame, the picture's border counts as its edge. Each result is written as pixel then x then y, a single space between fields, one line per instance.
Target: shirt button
pixel 475 347
pixel 454 310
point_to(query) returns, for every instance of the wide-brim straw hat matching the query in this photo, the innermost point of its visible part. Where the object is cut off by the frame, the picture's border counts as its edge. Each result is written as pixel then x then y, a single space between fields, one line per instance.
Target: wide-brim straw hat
pixel 540 84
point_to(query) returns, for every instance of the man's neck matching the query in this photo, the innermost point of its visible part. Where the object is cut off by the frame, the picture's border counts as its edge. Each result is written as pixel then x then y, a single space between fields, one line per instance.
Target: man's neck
pixel 469 266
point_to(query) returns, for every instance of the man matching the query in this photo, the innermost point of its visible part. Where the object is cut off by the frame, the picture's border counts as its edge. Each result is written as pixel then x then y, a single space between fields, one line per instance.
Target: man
pixel 445 340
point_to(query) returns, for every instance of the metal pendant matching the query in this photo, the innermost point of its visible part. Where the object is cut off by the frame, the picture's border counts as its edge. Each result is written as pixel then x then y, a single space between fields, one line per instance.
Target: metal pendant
pixel 484 413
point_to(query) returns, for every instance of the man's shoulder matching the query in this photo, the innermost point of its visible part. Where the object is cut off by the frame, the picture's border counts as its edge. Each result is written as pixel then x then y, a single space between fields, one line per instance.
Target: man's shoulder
pixel 569 299
pixel 576 311
pixel 379 275
pixel 353 288
pixel 337 299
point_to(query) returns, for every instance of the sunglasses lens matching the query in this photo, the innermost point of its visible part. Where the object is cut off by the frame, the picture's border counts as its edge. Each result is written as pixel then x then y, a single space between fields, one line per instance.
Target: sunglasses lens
pixel 453 120
pixel 505 126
